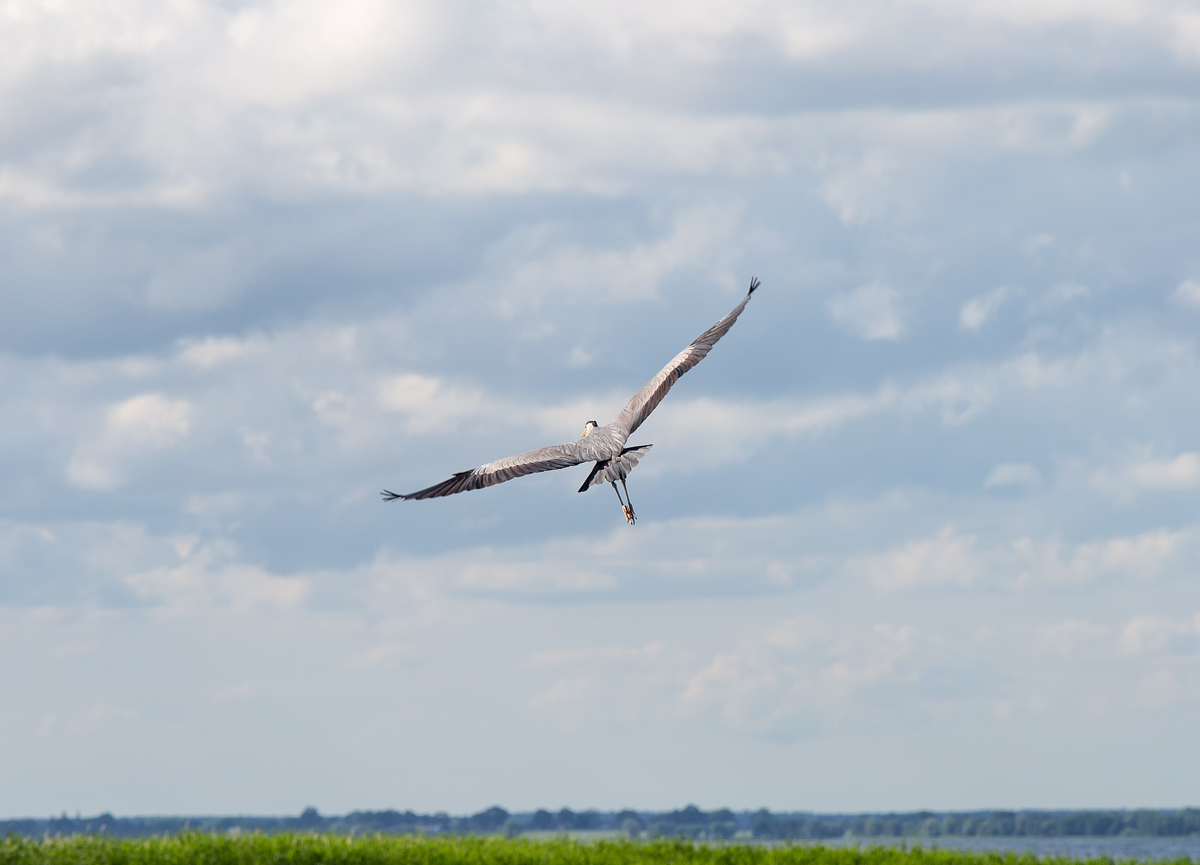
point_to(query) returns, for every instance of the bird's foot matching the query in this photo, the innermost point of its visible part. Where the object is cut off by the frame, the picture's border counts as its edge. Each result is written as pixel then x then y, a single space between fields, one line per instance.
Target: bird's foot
pixel 630 516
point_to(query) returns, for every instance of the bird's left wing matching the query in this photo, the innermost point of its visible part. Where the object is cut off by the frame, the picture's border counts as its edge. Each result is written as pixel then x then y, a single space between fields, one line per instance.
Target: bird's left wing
pixel 497 472
pixel 647 399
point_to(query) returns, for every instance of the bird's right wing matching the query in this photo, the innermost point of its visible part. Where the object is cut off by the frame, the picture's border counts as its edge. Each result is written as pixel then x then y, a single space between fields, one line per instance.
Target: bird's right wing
pixel 647 399
pixel 497 472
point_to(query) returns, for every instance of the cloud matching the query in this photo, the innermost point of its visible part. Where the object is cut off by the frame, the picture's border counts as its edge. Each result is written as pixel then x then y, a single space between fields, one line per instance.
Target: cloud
pixel 387 654
pixel 538 266
pixel 979 309
pixel 533 577
pixel 149 420
pixel 100 716
pixel 1071 636
pixel 598 654
pixel 234 692
pixel 803 677
pixel 1165 689
pixel 1178 473
pixel 208 578
pixel 1064 292
pixel 1145 634
pixel 1137 557
pixel 871 311
pixel 431 405
pixel 1182 472
pixel 144 423
pixel 212 351
pixel 1187 293
pixel 567 699
pixel 958 560
pixel 948 559
pixel 1012 475
pixel 1165 652
pixel 1037 242
pixel 372 124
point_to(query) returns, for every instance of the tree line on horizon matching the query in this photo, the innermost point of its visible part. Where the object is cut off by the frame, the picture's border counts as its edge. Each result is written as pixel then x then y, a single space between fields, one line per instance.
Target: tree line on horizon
pixel 690 822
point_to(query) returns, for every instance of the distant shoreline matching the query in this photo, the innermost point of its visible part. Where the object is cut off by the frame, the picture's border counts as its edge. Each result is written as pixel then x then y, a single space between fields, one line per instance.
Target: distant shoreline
pixel 690 823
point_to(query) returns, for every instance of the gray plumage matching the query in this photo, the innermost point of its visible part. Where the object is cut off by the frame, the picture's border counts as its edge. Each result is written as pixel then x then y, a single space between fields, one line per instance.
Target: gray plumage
pixel 605 445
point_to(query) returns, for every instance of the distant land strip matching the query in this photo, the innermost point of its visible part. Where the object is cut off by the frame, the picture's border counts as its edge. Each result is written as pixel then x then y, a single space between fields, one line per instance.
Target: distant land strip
pixel 686 823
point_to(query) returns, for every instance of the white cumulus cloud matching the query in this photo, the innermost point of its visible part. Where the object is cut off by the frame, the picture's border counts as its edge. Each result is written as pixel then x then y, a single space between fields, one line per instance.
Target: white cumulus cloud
pixel 1177 473
pixel 149 422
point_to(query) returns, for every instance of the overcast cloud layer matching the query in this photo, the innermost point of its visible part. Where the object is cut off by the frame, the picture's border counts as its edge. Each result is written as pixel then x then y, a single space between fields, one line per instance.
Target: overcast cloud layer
pixel 922 530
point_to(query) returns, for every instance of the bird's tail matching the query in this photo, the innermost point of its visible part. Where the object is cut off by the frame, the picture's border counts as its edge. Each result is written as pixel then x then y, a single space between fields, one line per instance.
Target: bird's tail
pixel 615 469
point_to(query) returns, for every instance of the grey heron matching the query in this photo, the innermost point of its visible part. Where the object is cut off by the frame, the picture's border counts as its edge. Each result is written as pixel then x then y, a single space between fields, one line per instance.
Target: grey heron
pixel 605 445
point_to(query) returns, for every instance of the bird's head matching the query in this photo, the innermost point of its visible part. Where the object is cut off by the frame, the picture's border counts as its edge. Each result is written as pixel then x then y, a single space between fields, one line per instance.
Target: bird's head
pixel 588 427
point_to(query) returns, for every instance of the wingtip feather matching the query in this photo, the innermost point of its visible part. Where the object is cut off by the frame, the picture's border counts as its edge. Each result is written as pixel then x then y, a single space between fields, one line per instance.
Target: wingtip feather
pixel 754 283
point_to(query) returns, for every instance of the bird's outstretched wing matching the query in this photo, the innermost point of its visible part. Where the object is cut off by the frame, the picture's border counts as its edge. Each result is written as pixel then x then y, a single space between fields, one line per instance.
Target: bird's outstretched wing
pixel 497 472
pixel 647 399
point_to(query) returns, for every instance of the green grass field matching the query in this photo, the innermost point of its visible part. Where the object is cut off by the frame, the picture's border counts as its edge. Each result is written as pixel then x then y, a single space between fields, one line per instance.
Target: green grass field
pixel 202 849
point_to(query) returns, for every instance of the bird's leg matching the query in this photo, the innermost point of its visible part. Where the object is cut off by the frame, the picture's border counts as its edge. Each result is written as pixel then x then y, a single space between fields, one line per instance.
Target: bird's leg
pixel 625 509
pixel 629 514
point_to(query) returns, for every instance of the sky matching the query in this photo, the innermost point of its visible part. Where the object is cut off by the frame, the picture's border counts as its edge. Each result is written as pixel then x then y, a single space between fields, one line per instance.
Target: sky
pixel 920 532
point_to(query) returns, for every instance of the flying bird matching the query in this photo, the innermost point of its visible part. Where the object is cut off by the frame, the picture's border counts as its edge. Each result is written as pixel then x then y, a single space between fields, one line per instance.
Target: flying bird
pixel 605 445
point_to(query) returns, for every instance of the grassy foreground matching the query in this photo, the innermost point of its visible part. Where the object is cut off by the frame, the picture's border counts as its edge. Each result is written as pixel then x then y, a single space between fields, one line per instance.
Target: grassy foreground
pixel 202 849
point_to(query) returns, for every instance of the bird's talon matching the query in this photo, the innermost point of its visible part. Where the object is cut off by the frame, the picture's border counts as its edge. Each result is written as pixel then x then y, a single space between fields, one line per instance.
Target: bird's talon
pixel 630 516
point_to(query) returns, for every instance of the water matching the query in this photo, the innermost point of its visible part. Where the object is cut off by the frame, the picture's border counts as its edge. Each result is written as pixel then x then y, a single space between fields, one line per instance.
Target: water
pixel 1121 847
